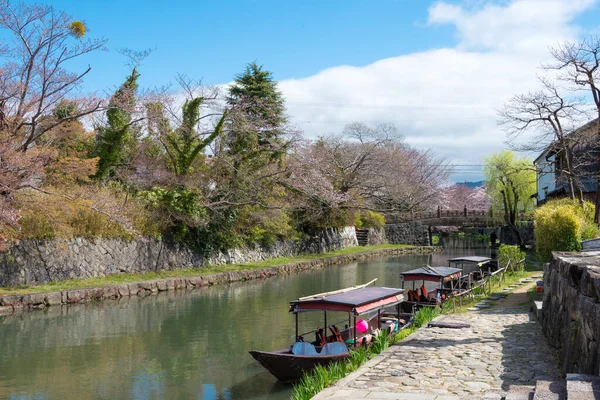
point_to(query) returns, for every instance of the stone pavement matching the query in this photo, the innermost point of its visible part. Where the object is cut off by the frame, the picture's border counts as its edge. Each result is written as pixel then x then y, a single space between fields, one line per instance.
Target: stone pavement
pixel 503 353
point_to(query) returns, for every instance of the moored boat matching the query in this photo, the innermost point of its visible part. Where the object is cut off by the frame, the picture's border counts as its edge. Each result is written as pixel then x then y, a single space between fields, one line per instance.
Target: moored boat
pixel 288 365
pixel 446 279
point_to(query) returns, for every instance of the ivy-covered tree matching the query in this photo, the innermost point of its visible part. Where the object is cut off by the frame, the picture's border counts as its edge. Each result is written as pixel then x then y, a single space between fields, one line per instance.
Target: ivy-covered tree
pixel 183 145
pixel 114 140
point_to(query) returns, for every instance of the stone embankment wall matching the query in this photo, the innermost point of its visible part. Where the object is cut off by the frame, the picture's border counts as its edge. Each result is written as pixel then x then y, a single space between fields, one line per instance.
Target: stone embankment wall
pixel 34 262
pixel 413 233
pixel 376 236
pixel 18 303
pixel 571 310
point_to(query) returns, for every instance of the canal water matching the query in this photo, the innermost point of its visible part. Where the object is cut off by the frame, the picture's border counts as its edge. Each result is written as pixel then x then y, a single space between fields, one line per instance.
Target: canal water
pixel 179 345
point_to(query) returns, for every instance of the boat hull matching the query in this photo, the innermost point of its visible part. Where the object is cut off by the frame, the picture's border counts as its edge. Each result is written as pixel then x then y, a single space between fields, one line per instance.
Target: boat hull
pixel 288 367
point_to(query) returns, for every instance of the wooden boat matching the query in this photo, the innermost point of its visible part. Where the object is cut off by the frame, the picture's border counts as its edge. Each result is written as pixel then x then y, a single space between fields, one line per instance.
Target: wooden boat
pixel 288 365
pixel 447 277
pixel 474 269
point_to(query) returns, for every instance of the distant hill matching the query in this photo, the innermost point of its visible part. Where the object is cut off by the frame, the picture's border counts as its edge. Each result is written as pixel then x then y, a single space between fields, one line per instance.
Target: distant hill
pixel 471 185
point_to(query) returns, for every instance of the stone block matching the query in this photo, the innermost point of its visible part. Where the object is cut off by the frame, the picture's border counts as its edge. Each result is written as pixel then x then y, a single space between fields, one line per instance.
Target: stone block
pixel 96 293
pixel 123 290
pixel 170 284
pixel 6 310
pixel 110 292
pixel 161 285
pixel 10 300
pixel 77 296
pixel 133 289
pixel 194 281
pixel 53 298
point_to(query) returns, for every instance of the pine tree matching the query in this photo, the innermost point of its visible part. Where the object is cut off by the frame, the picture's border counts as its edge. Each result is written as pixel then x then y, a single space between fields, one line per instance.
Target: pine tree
pixel 258 114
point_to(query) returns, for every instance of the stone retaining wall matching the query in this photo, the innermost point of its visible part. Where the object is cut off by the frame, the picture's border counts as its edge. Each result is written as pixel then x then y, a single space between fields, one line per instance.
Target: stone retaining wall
pixel 413 233
pixel 376 236
pixel 18 303
pixel 34 262
pixel 570 314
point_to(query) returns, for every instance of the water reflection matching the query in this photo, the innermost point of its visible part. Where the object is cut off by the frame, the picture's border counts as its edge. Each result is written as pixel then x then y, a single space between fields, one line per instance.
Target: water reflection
pixel 178 344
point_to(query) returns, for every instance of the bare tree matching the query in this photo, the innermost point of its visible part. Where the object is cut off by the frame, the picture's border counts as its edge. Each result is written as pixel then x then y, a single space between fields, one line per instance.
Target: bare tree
pixel 34 77
pixel 552 119
pixel 580 66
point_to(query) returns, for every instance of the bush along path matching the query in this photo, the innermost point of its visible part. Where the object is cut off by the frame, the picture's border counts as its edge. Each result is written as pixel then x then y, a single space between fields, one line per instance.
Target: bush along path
pixel 123 285
pixel 502 353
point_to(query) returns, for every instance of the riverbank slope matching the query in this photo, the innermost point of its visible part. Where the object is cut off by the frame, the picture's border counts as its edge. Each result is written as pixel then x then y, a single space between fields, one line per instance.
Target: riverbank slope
pixel 17 299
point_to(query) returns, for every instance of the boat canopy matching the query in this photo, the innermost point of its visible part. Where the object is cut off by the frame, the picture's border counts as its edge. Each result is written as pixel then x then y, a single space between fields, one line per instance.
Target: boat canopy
pixel 356 301
pixel 435 274
pixel 470 259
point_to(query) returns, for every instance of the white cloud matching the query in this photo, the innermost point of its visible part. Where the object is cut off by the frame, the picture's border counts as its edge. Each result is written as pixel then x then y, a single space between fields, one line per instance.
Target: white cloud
pixel 443 98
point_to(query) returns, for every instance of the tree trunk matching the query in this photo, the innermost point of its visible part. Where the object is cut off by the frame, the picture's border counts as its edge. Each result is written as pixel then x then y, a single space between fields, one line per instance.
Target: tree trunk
pixel 597 199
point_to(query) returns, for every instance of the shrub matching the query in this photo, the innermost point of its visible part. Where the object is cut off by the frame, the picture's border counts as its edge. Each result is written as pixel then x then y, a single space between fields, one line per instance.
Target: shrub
pixel 369 219
pixel 265 226
pixel 90 211
pixel 512 255
pixel 560 225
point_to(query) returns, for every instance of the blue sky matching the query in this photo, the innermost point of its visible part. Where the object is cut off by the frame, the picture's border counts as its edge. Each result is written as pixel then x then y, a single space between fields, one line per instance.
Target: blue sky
pixel 438 70
pixel 215 39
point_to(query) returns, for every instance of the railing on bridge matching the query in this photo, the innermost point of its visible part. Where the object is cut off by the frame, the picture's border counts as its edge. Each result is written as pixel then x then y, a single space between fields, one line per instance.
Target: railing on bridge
pixel 440 213
pixel 464 213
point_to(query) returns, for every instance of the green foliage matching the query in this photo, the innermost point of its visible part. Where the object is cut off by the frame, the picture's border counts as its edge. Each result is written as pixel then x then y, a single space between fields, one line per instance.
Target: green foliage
pixel 47 216
pixel 314 219
pixel 181 202
pixel 258 108
pixel 265 226
pixel 184 145
pixel 560 225
pixel 510 182
pixel 116 138
pixel 511 254
pixel 369 219
pixel 257 89
pixel 380 343
pixel 65 109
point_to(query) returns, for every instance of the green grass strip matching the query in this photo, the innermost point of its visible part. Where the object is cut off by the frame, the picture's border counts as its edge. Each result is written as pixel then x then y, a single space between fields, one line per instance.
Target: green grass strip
pixel 187 272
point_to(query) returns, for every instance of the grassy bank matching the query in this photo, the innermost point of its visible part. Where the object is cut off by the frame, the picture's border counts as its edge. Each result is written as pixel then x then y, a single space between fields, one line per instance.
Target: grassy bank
pixel 186 272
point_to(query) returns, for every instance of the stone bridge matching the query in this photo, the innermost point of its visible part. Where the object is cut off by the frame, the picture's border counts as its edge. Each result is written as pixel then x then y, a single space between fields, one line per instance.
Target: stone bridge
pixel 449 218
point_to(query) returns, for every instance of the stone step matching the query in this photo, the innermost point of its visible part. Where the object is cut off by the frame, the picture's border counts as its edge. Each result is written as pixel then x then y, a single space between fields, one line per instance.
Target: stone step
pixel 512 394
pixel 550 390
pixel 583 387
pixel 519 393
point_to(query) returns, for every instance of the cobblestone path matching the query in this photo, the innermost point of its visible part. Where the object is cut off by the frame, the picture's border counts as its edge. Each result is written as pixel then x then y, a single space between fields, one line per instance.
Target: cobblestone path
pixel 504 351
